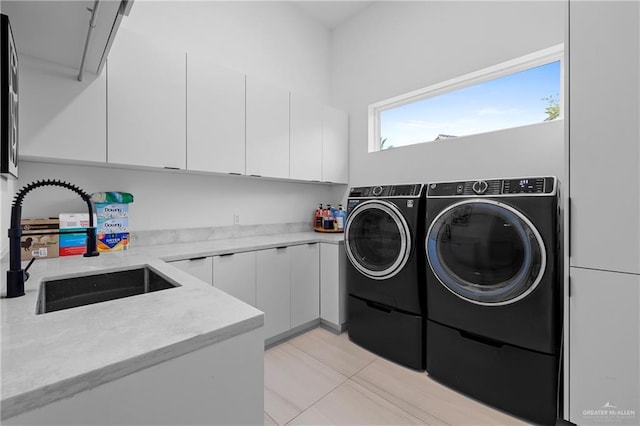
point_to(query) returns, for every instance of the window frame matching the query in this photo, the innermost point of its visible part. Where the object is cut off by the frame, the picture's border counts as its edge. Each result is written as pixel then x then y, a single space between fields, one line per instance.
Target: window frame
pixel 532 60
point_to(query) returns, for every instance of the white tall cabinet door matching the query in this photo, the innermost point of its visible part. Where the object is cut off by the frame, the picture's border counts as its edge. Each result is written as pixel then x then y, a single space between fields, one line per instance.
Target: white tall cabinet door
pixel 305 283
pixel 146 103
pixel 61 117
pixel 215 117
pixel 235 274
pixel 604 57
pixel 267 130
pixel 200 267
pixel 335 146
pixel 274 289
pixel 333 289
pixel 306 139
pixel 604 344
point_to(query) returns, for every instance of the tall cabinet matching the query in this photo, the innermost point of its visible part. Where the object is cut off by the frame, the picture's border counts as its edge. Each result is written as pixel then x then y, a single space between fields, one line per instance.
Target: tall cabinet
pixel 604 164
pixel 146 97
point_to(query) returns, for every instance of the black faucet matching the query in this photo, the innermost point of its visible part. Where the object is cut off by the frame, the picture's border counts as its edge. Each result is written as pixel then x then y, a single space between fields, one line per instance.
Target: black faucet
pixel 16 276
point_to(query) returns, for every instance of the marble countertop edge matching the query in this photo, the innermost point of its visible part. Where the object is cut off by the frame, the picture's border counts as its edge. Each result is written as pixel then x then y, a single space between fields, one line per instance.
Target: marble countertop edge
pixel 69 387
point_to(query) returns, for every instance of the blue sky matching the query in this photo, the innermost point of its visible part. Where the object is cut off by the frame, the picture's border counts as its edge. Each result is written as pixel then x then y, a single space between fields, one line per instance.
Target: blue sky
pixel 509 101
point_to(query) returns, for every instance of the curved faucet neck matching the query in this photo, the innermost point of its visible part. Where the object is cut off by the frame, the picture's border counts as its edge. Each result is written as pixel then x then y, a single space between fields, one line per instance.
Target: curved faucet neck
pixel 15 274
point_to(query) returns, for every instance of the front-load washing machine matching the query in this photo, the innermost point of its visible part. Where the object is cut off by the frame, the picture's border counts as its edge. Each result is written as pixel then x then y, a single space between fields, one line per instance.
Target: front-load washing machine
pixel 494 294
pixel 385 273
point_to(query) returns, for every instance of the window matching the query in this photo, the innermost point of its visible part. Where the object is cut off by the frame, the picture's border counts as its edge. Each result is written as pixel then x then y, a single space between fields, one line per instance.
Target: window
pixel 520 92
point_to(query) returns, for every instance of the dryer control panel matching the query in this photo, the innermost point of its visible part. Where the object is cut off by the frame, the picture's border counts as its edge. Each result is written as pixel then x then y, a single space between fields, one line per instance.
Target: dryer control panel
pixel 494 187
pixel 386 191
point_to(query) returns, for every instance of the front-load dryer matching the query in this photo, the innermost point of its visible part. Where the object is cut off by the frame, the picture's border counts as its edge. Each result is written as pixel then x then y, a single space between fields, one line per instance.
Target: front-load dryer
pixel 385 272
pixel 494 294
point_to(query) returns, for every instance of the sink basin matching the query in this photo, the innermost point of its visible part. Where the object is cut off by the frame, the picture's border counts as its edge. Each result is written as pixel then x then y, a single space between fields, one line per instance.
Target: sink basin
pixel 67 293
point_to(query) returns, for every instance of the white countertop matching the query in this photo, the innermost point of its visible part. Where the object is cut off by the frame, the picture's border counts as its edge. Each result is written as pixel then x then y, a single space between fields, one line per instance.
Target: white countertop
pixel 55 355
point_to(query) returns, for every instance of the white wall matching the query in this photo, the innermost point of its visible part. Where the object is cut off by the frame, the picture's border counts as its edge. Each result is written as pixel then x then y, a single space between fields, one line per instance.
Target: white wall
pixel 175 200
pixel 269 40
pixel 393 48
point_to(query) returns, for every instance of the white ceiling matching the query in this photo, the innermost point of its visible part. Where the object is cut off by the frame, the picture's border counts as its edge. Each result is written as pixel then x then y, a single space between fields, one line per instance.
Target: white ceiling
pixel 331 13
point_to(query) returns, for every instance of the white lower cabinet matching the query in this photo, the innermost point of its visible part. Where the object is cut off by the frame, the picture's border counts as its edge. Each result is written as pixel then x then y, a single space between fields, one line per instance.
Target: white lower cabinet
pixel 231 369
pixel 333 289
pixel 273 283
pixel 285 283
pixel 235 274
pixel 604 344
pixel 199 267
pixel 305 284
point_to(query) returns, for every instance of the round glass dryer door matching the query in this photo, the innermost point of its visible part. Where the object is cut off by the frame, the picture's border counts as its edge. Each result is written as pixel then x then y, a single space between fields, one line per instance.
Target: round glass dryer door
pixel 377 239
pixel 485 252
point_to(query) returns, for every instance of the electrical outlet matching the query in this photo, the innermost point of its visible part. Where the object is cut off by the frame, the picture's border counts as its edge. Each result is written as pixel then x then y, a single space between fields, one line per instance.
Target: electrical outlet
pixel 236 219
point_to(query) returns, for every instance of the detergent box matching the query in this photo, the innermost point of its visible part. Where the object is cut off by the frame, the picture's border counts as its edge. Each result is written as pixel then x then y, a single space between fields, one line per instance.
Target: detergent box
pixel 113 226
pixel 113 242
pixel 39 246
pixel 74 243
pixel 112 210
pixel 118 225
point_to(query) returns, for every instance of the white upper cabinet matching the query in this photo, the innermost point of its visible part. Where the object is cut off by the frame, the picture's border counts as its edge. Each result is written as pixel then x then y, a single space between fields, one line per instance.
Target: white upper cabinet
pixel 146 104
pixel 604 136
pixel 215 117
pixel 306 138
pixel 267 130
pixel 335 146
pixel 60 117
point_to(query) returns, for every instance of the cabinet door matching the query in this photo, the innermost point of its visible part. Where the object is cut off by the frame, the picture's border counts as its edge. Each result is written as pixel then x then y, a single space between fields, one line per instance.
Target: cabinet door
pixel 215 117
pixel 235 274
pixel 65 119
pixel 604 134
pixel 146 103
pixel 335 146
pixel 604 342
pixel 200 267
pixel 333 289
pixel 306 139
pixel 305 283
pixel 274 289
pixel 267 130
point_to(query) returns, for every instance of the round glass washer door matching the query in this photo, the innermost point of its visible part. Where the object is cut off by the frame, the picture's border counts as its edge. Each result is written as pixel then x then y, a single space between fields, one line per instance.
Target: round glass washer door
pixel 485 252
pixel 377 239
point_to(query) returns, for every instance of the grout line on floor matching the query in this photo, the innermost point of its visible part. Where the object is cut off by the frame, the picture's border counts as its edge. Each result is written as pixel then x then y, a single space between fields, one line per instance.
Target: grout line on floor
pixel 324 363
pixel 368 364
pixel 320 399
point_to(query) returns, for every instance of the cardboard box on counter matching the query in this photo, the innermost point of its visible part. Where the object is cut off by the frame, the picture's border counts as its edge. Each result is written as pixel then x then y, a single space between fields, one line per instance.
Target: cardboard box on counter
pixel 39 246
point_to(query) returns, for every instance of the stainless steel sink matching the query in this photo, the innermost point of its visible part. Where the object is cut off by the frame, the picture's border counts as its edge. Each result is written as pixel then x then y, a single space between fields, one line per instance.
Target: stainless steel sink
pixel 67 293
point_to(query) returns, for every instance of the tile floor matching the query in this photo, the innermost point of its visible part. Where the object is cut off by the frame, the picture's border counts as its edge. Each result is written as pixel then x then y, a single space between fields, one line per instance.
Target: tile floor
pixel 320 378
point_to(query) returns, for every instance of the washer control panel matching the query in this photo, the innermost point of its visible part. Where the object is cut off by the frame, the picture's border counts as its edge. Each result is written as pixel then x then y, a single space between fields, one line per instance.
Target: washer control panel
pixel 412 191
pixel 494 187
